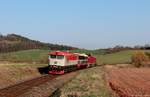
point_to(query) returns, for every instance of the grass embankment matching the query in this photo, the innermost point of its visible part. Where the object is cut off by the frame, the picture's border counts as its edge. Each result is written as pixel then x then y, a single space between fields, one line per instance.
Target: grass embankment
pixel 88 83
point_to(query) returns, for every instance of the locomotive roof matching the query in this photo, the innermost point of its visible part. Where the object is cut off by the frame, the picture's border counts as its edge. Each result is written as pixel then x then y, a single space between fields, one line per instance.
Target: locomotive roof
pixel 81 54
pixel 60 53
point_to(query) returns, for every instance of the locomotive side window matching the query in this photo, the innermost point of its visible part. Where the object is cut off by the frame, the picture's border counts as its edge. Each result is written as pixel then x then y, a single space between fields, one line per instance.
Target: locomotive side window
pixel 60 57
pixel 82 58
pixel 53 56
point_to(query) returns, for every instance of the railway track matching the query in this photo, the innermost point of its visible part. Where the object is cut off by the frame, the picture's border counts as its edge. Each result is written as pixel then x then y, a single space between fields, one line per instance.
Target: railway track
pixel 20 89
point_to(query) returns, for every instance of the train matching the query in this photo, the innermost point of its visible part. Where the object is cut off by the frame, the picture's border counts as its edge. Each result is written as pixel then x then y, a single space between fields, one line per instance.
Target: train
pixel 61 62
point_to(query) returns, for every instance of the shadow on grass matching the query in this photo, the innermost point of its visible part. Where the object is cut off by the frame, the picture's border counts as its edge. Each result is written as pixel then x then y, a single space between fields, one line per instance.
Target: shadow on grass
pixel 57 93
pixel 43 70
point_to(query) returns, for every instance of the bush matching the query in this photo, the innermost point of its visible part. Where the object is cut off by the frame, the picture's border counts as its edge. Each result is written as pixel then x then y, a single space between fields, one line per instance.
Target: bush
pixel 148 54
pixel 140 59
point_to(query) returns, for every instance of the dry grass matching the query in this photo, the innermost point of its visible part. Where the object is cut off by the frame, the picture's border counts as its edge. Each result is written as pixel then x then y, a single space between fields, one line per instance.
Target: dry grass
pixel 88 83
pixel 14 73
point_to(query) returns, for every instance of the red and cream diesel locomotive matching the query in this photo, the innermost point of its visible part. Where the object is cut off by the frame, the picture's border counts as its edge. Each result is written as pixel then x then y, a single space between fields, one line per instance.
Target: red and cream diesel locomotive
pixel 61 62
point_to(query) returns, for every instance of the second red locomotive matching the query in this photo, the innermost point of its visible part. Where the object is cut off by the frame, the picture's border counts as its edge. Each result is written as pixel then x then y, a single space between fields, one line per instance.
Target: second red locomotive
pixel 61 62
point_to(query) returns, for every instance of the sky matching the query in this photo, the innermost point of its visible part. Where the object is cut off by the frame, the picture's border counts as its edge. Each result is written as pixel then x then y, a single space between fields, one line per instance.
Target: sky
pixel 89 24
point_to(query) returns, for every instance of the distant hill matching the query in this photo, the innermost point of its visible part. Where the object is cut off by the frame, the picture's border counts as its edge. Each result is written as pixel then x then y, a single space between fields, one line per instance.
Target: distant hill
pixel 14 42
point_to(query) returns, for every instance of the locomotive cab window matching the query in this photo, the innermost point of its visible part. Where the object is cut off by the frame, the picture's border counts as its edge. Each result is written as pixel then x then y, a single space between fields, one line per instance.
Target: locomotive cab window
pixel 60 57
pixel 53 56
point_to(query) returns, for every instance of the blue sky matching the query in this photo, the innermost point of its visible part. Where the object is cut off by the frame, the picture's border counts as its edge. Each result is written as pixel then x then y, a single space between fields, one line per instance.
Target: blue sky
pixel 83 23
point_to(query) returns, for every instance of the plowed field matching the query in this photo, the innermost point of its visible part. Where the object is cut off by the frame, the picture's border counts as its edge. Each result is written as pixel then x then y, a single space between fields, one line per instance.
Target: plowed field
pixel 130 82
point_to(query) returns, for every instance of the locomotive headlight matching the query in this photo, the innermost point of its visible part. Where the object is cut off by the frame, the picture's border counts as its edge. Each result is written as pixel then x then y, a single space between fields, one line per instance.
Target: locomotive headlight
pixel 55 62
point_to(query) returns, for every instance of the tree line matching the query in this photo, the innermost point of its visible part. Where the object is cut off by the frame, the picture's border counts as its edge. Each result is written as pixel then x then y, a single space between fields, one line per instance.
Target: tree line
pixel 14 42
pixel 121 48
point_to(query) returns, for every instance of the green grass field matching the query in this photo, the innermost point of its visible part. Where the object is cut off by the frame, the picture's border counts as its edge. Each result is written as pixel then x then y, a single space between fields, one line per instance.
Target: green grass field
pixel 114 58
pixel 34 55
pixel 40 56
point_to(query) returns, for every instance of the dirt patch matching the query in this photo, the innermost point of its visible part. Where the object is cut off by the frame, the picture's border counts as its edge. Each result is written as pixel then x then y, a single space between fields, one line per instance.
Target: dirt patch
pixel 129 82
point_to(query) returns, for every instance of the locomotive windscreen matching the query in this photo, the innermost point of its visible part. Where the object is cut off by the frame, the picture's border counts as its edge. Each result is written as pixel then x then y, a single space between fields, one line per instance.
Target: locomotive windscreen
pixel 56 56
pixel 60 57
pixel 53 56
